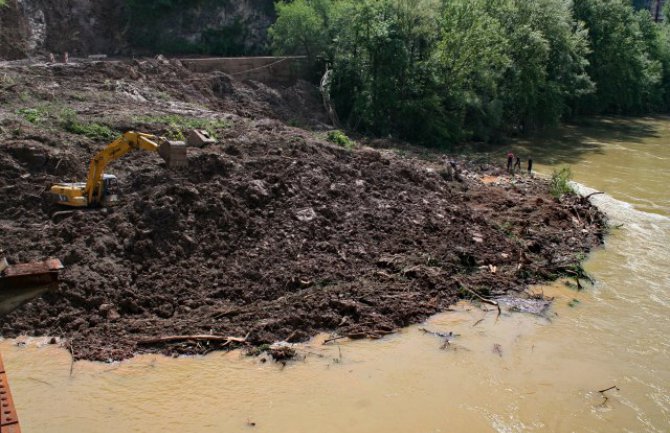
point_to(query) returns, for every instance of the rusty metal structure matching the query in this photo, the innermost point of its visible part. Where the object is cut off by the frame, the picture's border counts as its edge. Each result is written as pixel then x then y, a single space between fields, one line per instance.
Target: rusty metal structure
pixel 9 420
pixel 22 282
pixel 29 274
pixel 19 283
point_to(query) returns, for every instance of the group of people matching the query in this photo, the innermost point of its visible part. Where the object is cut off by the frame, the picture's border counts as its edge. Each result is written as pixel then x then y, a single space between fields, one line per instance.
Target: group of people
pixel 513 166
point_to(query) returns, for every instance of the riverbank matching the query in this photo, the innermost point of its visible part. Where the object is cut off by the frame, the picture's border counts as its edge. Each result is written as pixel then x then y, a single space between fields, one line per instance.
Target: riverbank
pixel 273 234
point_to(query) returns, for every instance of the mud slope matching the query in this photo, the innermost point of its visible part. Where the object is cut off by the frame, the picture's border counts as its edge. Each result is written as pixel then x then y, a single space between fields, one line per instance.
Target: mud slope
pixel 273 233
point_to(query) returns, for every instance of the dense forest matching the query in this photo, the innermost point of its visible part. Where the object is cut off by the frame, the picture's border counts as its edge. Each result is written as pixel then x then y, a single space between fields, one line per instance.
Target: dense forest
pixel 441 71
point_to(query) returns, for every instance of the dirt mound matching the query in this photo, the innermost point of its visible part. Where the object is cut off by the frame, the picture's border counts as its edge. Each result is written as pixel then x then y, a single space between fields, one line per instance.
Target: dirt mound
pixel 273 235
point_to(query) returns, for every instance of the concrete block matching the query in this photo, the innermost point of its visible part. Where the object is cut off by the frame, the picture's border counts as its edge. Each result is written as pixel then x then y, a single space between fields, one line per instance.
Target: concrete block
pixel 199 138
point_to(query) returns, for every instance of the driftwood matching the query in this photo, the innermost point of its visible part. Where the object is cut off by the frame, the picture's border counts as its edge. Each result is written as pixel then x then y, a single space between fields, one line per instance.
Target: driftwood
pixel 334 339
pixel 485 300
pixel 603 391
pixel 592 194
pixel 445 336
pixel 72 356
pixel 580 274
pixel 609 389
pixel 202 337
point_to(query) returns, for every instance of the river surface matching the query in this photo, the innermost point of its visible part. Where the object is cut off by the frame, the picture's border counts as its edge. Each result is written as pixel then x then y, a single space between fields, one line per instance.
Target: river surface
pixel 516 373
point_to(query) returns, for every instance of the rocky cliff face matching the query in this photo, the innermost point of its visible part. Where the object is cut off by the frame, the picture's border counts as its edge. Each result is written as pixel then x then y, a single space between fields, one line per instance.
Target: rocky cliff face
pixel 82 27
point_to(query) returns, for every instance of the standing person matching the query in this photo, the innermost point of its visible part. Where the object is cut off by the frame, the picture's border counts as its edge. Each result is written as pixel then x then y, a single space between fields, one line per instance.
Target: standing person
pixel 530 166
pixel 510 161
pixel 517 164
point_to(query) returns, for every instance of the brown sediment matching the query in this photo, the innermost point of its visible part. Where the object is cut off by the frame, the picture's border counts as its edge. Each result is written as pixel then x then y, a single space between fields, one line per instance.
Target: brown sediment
pixel 273 234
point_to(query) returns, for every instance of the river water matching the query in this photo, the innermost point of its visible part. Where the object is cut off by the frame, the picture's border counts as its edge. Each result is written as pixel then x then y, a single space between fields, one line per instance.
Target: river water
pixel 517 373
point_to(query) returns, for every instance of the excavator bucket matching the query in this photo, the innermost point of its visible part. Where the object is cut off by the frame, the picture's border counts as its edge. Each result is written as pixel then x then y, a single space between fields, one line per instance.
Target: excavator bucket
pixel 174 153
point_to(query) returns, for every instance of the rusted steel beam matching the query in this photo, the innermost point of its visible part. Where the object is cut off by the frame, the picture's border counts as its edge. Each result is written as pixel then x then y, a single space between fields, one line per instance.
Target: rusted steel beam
pixel 30 274
pixel 9 420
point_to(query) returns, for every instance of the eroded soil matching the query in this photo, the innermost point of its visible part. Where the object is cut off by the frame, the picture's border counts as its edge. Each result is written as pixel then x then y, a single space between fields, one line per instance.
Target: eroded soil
pixel 272 234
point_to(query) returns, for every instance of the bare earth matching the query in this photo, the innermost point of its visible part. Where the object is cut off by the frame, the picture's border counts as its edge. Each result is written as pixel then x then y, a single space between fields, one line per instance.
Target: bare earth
pixel 273 234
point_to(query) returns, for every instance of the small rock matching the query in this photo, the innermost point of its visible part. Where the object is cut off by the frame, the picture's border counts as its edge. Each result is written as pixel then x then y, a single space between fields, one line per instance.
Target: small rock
pixel 258 187
pixel 305 215
pixel 113 314
pixel 165 311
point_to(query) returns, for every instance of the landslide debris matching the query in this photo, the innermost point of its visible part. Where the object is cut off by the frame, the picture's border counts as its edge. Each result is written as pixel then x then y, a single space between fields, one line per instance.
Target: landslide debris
pixel 273 234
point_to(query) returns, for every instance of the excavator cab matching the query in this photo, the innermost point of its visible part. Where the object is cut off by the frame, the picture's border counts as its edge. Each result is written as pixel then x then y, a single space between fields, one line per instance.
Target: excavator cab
pixel 110 191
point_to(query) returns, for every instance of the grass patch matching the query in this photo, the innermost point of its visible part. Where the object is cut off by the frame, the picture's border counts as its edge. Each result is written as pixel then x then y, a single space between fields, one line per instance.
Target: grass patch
pixel 560 182
pixel 341 139
pixel 33 115
pixel 96 131
pixel 178 126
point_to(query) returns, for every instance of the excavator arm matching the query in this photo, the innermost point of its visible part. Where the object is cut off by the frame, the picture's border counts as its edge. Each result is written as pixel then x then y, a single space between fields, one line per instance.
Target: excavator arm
pixel 126 143
pixel 91 193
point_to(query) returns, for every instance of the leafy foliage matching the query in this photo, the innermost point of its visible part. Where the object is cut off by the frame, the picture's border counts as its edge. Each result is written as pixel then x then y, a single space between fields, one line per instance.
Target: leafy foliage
pixel 299 29
pixel 440 71
pixel 341 139
pixel 560 182
pixel 626 73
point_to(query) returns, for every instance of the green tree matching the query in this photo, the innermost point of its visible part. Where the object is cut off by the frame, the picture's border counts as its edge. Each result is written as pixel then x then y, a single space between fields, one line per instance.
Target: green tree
pixel 473 58
pixel 301 28
pixel 620 65
pixel 384 80
pixel 439 71
pixel 656 38
pixel 548 48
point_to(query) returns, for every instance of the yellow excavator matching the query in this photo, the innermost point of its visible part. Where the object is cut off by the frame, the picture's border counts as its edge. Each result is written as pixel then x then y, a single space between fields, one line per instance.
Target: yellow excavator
pixel 101 189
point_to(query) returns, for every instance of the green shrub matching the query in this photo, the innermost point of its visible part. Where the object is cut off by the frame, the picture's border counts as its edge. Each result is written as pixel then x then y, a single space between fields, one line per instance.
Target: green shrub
pixel 560 182
pixel 341 139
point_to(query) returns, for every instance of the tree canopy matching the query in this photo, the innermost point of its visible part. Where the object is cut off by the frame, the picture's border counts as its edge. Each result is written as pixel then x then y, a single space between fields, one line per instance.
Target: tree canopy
pixel 439 71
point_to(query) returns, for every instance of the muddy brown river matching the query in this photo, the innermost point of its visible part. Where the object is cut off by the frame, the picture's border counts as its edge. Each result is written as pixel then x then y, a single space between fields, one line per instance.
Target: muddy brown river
pixel 517 373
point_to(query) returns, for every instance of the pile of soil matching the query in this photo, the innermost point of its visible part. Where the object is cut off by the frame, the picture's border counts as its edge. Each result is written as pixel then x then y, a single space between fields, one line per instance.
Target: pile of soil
pixel 273 234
